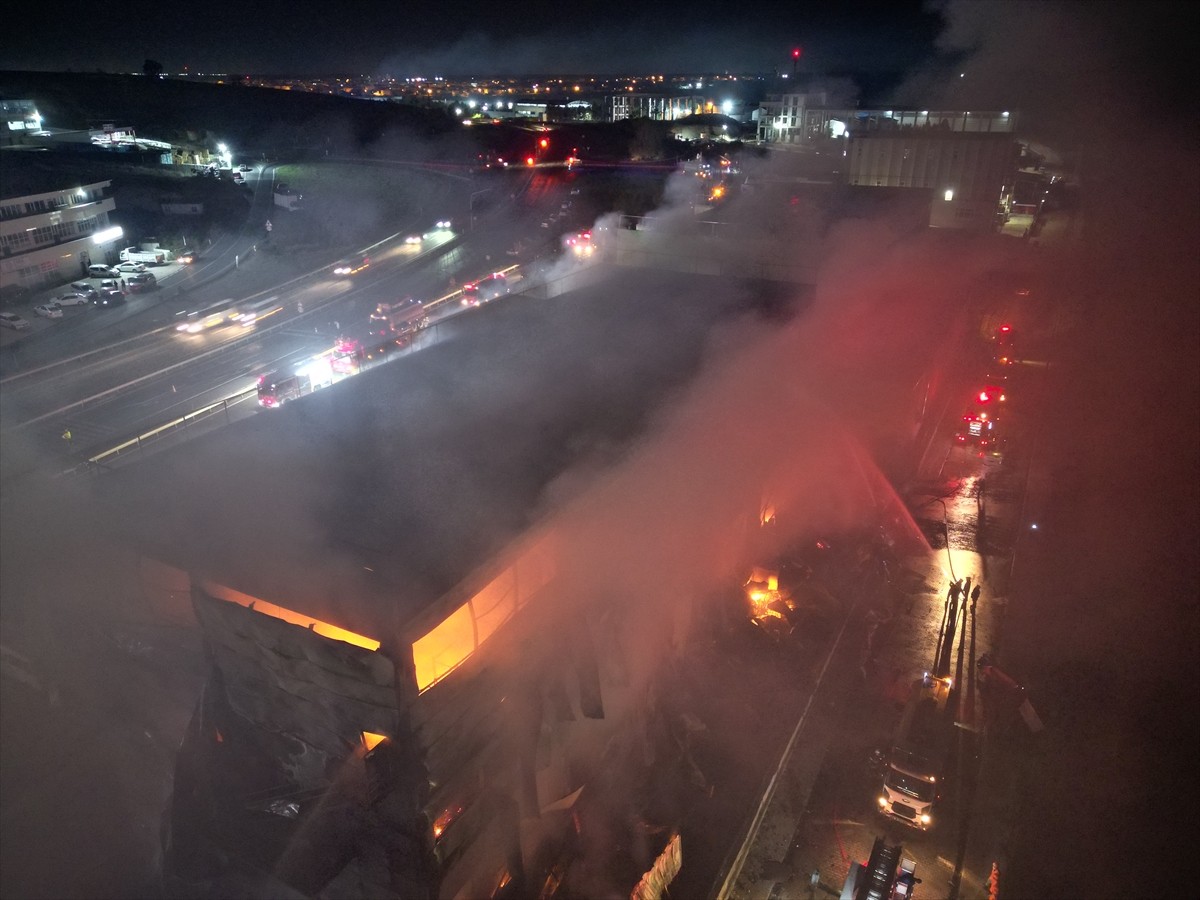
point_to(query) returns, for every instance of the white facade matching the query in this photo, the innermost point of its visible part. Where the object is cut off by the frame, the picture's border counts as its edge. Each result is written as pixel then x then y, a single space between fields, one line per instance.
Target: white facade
pixel 800 119
pixel 51 238
pixel 782 117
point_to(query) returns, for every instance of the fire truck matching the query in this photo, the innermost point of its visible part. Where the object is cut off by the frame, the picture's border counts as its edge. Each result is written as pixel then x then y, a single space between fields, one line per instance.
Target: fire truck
pixel 886 875
pixel 277 388
pixel 980 426
pixel 977 429
pixel 1002 345
pixel 400 317
pixel 359 348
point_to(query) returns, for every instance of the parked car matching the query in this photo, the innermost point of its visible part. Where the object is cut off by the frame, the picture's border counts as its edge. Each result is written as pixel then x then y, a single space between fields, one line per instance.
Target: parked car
pixel 131 268
pixel 82 287
pixel 75 298
pixel 143 282
pixel 111 284
pixel 99 271
pixel 49 310
pixel 13 321
pixel 245 168
pixel 109 297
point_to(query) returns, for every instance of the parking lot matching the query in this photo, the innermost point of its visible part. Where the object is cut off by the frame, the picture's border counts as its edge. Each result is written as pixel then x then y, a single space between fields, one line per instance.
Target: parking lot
pixel 37 318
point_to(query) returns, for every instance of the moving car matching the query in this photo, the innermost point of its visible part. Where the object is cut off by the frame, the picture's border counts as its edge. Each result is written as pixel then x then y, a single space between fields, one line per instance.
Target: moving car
pixel 143 282
pixel 413 239
pixel 109 297
pixel 215 315
pixel 49 310
pixel 187 258
pixel 348 267
pixel 76 298
pixel 129 268
pixel 13 321
pixel 99 271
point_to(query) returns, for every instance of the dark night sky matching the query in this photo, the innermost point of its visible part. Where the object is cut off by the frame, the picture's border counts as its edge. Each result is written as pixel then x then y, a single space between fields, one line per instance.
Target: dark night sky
pixel 457 38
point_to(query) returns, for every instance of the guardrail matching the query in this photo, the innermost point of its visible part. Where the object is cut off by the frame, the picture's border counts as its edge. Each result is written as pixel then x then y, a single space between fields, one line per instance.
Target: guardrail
pixel 448 298
pixel 105 459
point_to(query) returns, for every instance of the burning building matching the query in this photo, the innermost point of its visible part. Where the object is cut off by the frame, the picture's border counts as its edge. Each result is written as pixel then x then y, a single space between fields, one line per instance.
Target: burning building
pixel 411 689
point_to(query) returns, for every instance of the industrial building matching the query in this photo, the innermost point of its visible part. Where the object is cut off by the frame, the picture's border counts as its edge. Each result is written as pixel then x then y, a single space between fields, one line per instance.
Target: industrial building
pixel 964 161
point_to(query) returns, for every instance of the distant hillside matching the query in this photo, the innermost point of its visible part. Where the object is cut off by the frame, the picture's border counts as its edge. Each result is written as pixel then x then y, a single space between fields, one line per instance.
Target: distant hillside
pixel 254 120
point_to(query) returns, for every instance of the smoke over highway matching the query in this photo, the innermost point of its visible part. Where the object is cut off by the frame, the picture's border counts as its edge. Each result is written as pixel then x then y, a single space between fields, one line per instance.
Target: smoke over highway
pixel 656 425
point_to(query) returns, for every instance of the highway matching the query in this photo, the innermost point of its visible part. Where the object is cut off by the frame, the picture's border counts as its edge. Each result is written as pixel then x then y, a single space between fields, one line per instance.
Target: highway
pixel 103 376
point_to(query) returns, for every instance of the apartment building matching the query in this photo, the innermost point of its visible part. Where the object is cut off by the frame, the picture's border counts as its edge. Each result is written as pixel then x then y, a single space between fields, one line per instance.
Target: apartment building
pixel 51 235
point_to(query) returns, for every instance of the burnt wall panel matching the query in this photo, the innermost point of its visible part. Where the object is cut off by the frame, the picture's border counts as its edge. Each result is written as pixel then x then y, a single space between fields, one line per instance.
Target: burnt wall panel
pixel 291 682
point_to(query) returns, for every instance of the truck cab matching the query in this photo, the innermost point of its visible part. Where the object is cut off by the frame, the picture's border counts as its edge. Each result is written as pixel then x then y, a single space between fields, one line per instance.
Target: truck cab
pixel 912 781
pixel 278 388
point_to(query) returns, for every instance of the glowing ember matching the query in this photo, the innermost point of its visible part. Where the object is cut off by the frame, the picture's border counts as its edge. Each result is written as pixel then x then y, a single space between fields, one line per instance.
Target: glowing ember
pixel 762 590
pixel 442 822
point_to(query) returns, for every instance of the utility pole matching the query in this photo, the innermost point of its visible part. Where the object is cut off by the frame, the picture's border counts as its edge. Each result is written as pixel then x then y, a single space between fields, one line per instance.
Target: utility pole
pixel 471 204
